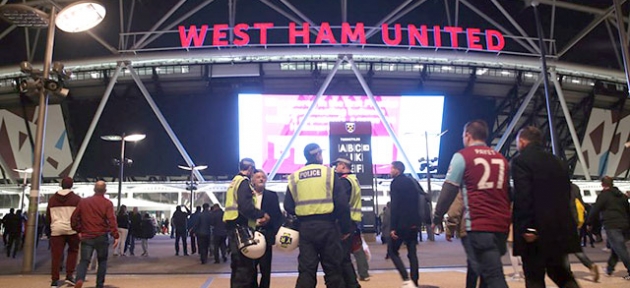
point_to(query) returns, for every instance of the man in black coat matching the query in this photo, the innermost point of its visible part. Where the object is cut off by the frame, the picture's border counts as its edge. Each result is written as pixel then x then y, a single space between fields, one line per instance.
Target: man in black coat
pixel 202 225
pixel 219 233
pixel 544 230
pixel 180 221
pixel 267 201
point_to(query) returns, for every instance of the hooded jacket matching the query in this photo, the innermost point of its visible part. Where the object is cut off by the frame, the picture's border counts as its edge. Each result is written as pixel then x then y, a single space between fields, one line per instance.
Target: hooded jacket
pixel 614 207
pixel 59 211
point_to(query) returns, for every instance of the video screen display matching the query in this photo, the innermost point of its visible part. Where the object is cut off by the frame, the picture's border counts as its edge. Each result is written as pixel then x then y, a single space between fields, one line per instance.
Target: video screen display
pixel 267 122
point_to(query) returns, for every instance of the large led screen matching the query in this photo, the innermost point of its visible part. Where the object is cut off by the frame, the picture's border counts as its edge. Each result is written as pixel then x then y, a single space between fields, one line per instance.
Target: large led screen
pixel 267 122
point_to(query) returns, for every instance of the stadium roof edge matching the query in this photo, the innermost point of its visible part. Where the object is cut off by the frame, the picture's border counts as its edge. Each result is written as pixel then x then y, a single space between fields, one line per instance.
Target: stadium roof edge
pixel 248 55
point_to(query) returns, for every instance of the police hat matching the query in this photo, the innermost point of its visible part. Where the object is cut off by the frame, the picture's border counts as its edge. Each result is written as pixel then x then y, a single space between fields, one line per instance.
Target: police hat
pixel 342 159
pixel 246 163
pixel 311 150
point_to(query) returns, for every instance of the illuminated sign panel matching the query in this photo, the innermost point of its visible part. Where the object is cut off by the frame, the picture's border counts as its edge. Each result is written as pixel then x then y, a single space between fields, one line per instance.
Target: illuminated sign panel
pixel 346 34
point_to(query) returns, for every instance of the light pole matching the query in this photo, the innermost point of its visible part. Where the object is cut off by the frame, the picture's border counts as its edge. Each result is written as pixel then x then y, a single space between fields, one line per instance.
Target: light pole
pixel 76 17
pixel 430 233
pixel 122 138
pixel 192 170
pixel 26 172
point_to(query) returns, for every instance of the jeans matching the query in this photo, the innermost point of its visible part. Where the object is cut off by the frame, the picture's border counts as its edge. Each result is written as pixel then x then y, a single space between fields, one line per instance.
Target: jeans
pixel 219 244
pixel 204 243
pixel 410 238
pixel 132 245
pixel 180 235
pixel 618 250
pixel 487 249
pixel 472 266
pixel 347 269
pixel 99 244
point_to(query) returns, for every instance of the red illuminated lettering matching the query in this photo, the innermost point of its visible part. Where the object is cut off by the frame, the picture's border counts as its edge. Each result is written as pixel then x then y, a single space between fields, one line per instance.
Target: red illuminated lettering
pixel 494 34
pixel 263 31
pixel 348 35
pixel 437 36
pixel 421 36
pixel 397 34
pixel 240 31
pixel 453 31
pixel 219 35
pixel 473 40
pixel 192 36
pixel 304 33
pixel 325 34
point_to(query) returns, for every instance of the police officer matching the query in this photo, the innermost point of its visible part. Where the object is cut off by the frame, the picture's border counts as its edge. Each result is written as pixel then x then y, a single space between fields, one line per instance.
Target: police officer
pixel 319 203
pixel 352 189
pixel 240 210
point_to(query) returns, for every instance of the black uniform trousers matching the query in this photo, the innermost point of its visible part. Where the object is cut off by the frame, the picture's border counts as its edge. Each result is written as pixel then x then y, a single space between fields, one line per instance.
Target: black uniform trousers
pixel 319 243
pixel 204 244
pixel 243 269
pixel 193 242
pixel 180 234
pixel 264 266
pixel 349 274
pixel 557 267
pixel 218 243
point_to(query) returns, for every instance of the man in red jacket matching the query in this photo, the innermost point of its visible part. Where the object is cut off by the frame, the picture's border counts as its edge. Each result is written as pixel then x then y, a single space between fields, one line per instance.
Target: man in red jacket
pixel 94 219
pixel 58 213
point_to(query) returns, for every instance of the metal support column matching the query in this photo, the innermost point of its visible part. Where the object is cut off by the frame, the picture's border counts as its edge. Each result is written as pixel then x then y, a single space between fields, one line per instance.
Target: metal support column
pixel 381 116
pixel 543 60
pixel 97 117
pixel 518 115
pixel 167 127
pixel 567 117
pixel 160 22
pixel 321 91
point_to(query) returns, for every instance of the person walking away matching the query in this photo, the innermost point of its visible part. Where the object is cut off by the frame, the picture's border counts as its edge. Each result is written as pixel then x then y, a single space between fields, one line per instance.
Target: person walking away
pixel 545 232
pixel 219 233
pixel 321 205
pixel 482 175
pixel 615 211
pixel 180 219
pixel 189 227
pixel 385 226
pixel 134 233
pixel 94 219
pixel 203 229
pixel 59 211
pixel 148 230
pixel 240 211
pixel 267 201
pixel 5 223
pixel 122 220
pixel 578 212
pixel 14 230
pixel 405 223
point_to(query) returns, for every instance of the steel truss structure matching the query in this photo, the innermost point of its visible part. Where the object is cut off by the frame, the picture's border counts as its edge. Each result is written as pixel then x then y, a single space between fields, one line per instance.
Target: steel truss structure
pixel 575 87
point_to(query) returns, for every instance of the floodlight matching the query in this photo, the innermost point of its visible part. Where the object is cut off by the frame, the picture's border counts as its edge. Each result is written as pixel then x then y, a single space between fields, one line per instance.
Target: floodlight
pixel 134 137
pixel 26 67
pixel 111 137
pixel 198 167
pixel 80 16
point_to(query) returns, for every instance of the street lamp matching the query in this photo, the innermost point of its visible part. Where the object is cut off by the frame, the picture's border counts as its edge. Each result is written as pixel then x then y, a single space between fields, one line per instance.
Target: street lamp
pixel 192 187
pixel 22 15
pixel 26 172
pixel 430 233
pixel 122 138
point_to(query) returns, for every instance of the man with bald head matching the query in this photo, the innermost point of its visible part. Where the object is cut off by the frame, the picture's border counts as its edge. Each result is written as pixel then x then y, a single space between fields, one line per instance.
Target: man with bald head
pixel 94 220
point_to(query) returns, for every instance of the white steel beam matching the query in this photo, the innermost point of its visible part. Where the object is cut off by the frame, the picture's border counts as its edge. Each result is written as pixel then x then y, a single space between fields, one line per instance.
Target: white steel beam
pixel 567 117
pixel 131 11
pixel 368 92
pixel 386 18
pixel 516 25
pixel 97 117
pixel 614 44
pixel 165 125
pixel 552 29
pixel 586 30
pixel 448 13
pixel 297 131
pixel 159 22
pixel 344 10
pixel 519 113
pixel 7 31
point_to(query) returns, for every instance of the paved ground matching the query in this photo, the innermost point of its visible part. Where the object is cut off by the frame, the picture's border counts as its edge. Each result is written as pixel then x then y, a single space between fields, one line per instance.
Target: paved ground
pixel 442 265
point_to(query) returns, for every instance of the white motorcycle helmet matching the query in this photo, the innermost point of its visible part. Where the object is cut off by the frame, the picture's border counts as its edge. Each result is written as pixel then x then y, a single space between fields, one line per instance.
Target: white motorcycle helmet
pixel 254 246
pixel 287 239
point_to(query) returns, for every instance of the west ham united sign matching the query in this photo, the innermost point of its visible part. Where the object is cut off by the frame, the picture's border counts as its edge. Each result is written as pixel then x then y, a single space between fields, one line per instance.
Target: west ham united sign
pixel 345 34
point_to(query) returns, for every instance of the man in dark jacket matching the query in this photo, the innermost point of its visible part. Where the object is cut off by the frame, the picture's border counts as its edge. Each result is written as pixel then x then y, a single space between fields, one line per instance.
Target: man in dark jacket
pixel 269 203
pixel 180 220
pixel 219 233
pixel 545 232
pixel 405 221
pixel 13 227
pixel 613 205
pixel 191 231
pixel 202 226
pixel 135 231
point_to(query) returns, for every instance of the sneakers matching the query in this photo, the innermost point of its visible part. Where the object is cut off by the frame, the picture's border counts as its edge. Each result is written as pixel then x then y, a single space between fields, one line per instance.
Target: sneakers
pixel 53 284
pixel 408 284
pixel 364 278
pixel 595 272
pixel 627 277
pixel 70 280
pixel 79 284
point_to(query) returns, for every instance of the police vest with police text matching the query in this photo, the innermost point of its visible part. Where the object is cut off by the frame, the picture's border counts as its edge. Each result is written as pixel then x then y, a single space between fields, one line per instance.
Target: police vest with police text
pixel 355 198
pixel 312 190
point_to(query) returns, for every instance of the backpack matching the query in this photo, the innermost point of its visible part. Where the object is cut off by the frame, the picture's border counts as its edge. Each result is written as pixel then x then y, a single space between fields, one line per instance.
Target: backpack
pixel 580 212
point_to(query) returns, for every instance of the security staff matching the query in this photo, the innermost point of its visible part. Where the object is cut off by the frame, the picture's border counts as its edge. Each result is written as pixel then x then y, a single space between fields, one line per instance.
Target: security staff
pixel 240 210
pixel 352 189
pixel 319 203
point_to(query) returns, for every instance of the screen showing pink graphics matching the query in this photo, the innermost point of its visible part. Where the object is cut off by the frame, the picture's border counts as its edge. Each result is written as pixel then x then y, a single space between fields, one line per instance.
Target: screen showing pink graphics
pixel 267 122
